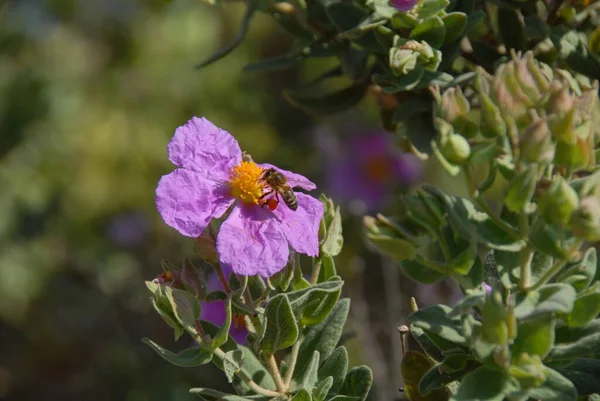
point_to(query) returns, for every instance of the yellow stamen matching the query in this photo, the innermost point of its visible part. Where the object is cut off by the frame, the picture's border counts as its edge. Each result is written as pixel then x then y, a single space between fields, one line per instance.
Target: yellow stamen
pixel 245 182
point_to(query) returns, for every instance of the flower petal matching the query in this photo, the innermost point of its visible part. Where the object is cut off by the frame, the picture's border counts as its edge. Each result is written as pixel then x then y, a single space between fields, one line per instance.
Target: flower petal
pixel 301 227
pixel 187 201
pixel 293 179
pixel 201 146
pixel 251 241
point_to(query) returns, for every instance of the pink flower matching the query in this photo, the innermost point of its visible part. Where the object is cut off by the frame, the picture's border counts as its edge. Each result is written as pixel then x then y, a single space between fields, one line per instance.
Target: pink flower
pixel 403 5
pixel 210 178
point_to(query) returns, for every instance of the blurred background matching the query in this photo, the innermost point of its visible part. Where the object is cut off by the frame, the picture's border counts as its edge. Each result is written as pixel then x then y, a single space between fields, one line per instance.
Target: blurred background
pixel 91 91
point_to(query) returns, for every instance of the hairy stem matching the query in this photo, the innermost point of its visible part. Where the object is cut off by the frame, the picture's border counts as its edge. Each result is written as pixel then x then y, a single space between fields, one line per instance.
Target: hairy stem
pixel 526 255
pixel 315 271
pixel 557 266
pixel 293 358
pixel 246 379
pixel 222 278
pixel 274 370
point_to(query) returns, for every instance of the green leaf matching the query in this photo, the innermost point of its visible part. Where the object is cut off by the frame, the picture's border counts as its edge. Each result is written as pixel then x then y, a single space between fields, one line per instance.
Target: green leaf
pixel 432 30
pixel 327 268
pixel 396 248
pixel 413 368
pixel 214 395
pixel 555 388
pixel 219 54
pixel 186 307
pixel 161 304
pixel 358 382
pixel 584 374
pixel 190 357
pixel 277 63
pixel 431 385
pixel 308 377
pixel 336 367
pixel 574 342
pixel 512 28
pixel 223 333
pixel 534 337
pixel 232 363
pixel 428 8
pixel 333 241
pixel 330 103
pixel 420 273
pixel 546 238
pixel 435 319
pixel 481 384
pixel 400 83
pixel 520 189
pixel 473 299
pixel 324 336
pixel 346 16
pixel 455 24
pixel 586 308
pixel 320 391
pixel 311 305
pixel 540 264
pixel 426 344
pixel 281 329
pixel 302 395
pixel 552 298
pixel 536 28
pixel 193 280
pixel 462 215
pixel 411 107
pixel 580 274
pixel 252 367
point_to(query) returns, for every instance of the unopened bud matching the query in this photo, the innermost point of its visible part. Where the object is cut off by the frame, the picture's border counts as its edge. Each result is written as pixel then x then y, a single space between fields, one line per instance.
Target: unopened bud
pixel 494 329
pixel 585 221
pixel 559 202
pixel 406 55
pixel 521 188
pixel 456 149
pixel 206 246
pixel 536 143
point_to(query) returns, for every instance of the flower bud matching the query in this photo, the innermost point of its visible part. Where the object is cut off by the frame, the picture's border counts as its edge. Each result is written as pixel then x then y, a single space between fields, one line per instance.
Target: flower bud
pixel 206 245
pixel 559 202
pixel 456 149
pixel 585 221
pixel 536 144
pixel 494 329
pixel 406 55
pixel 520 189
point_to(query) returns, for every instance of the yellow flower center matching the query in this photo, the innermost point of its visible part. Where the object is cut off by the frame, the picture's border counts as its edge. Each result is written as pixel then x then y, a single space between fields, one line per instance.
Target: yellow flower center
pixel 245 183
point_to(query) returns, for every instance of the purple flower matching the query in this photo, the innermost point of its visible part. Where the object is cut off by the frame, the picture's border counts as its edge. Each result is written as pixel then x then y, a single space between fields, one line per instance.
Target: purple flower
pixel 369 168
pixel 403 5
pixel 210 178
pixel 487 288
pixel 214 312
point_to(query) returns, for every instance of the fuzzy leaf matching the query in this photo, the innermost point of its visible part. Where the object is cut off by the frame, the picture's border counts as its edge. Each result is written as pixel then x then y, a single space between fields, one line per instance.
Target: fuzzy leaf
pixel 481 384
pixel 308 377
pixel 358 382
pixel 186 307
pixel 434 319
pixel 232 363
pixel 555 388
pixel 335 367
pixel 329 103
pixel 574 343
pixel 281 329
pixel 552 298
pixel 534 337
pixel 584 374
pixel 190 357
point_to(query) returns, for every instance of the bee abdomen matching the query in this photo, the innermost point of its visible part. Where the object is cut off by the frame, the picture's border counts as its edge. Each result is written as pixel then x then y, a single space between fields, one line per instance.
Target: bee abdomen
pixel 291 201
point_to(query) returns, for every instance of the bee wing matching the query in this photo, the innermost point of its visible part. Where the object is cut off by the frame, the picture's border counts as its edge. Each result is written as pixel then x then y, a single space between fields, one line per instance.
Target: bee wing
pixel 293 179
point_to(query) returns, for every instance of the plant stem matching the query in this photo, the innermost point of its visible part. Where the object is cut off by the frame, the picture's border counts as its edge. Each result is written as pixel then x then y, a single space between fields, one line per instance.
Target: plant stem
pixel 222 278
pixel 314 277
pixel 274 370
pixel 557 266
pixel 246 379
pixel 293 358
pixel 525 262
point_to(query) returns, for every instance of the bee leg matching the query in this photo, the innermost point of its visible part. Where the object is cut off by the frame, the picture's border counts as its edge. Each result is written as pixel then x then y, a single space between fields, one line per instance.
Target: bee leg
pixel 264 202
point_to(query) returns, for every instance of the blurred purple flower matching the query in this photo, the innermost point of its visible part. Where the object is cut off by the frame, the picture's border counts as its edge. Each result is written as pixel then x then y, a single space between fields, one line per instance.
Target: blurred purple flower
pixel 368 168
pixel 210 178
pixel 214 311
pixel 487 288
pixel 128 229
pixel 403 5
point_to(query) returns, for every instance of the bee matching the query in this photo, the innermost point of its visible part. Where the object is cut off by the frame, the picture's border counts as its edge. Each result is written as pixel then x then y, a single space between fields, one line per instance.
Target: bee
pixel 278 184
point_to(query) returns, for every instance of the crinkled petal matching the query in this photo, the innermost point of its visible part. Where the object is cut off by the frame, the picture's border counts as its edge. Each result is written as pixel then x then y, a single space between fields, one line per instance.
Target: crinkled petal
pixel 293 179
pixel 301 227
pixel 252 242
pixel 201 146
pixel 187 201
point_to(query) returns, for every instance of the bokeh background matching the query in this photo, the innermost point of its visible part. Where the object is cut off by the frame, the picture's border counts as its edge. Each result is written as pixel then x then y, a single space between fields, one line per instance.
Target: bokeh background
pixel 90 93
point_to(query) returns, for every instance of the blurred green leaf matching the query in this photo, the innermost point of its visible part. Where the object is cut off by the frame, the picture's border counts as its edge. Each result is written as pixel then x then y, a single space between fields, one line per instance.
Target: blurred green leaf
pixel 536 28
pixel 223 333
pixel 584 374
pixel 432 381
pixel 346 16
pixel 254 369
pixel 334 240
pixel 431 30
pixel 455 24
pixel 420 273
pixel 281 329
pixel 512 28
pixel 426 343
pixel 428 8
pixel 232 363
pixel 574 342
pixel 555 388
pixel 190 357
pixel 435 319
pixel 302 395
pixel 481 384
pixel 520 189
pixel 534 337
pixel 307 378
pixel 414 366
pixel 411 107
pixel 332 102
pixel 252 6
pixel 580 274
pixel 186 307
pixel 213 395
pixel 327 268
pixel 552 298
pixel 162 305
pixel 586 307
